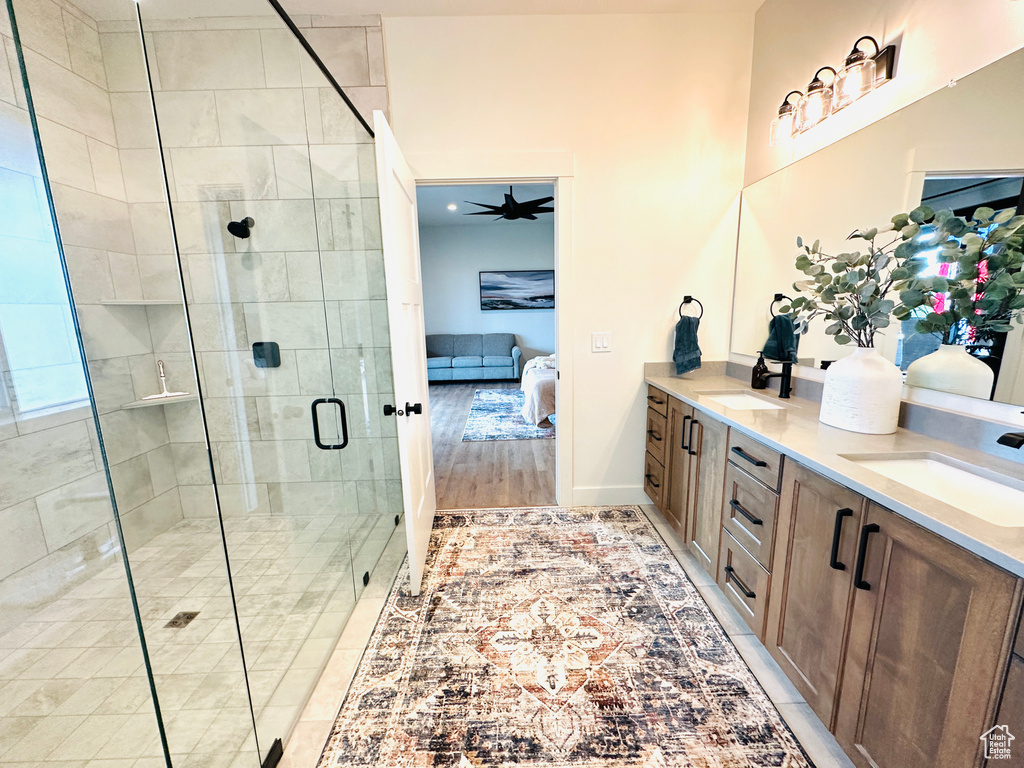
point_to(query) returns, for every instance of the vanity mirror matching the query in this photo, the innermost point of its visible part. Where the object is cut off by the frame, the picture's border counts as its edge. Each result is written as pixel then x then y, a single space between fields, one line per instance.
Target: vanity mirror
pixel 958 148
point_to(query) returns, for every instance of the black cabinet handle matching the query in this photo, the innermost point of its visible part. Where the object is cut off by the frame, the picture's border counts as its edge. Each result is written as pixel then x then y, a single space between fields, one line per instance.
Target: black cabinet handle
pixel 316 424
pixel 416 408
pixel 730 574
pixel 862 551
pixel 746 456
pixel 833 558
pixel 650 479
pixel 689 448
pixel 739 508
pixel 682 437
pixel 654 436
pixel 655 400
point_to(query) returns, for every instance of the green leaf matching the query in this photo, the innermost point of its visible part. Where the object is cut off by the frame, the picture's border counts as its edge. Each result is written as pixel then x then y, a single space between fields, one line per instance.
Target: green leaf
pixel 833 329
pixel 1004 215
pixel 921 214
pixel 899 221
pixel 939 284
pixel 799 242
pixel 983 214
pixel 843 339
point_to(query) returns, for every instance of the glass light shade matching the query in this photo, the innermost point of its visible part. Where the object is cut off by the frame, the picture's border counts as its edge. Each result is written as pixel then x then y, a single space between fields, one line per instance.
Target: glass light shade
pixel 813 108
pixel 782 128
pixel 854 80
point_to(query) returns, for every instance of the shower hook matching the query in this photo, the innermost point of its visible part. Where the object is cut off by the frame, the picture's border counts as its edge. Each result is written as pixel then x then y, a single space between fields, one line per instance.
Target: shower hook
pixel 688 300
pixel 241 228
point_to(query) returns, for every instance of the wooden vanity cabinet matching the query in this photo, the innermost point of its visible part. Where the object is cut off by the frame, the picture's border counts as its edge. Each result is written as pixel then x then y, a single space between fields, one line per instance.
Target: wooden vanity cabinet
pixel 677 466
pixel 927 648
pixel 708 441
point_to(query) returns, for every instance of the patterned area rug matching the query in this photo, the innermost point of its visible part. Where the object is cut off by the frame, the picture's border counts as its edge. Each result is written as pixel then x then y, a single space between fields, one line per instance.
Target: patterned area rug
pixel 495 415
pixel 554 637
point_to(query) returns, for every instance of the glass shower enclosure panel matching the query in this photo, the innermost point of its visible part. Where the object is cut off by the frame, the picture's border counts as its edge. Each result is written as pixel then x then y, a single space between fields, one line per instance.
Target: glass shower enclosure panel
pixel 267 182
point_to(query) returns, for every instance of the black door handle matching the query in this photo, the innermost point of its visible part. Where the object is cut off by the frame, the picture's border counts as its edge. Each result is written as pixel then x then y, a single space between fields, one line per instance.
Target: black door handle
pixel 682 437
pixel 744 455
pixel 416 408
pixel 862 551
pixel 655 437
pixel 689 448
pixel 734 503
pixel 389 410
pixel 833 558
pixel 730 574
pixel 650 479
pixel 316 424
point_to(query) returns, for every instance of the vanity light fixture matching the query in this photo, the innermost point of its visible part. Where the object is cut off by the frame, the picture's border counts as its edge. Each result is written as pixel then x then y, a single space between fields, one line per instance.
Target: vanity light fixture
pixel 816 104
pixel 782 125
pixel 862 72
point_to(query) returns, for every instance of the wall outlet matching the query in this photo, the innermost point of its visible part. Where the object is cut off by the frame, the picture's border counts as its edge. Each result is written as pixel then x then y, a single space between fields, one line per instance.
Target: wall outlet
pixel 600 342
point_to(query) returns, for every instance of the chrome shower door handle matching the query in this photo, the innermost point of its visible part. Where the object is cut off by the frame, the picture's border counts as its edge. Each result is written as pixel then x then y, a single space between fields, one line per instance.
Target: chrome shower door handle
pixel 316 424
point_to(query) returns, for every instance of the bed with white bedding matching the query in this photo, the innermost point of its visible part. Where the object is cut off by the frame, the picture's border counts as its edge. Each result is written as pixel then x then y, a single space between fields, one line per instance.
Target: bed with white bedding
pixel 538 384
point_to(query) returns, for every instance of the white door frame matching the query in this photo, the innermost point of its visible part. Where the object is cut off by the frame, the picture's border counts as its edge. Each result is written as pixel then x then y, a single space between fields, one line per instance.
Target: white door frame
pixel 527 168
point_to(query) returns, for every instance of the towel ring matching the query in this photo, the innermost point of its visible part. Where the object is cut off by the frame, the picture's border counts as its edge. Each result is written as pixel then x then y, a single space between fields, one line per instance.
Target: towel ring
pixel 688 300
pixel 778 297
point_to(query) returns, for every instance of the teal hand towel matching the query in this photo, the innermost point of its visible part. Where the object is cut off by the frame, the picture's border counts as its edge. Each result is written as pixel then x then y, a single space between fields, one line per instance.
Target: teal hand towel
pixel 686 354
pixel 782 340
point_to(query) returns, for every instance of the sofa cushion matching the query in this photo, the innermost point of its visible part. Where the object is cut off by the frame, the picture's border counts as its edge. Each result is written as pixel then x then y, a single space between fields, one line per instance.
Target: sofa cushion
pixel 467 345
pixel 497 361
pixel 441 345
pixel 439 362
pixel 493 344
pixel 467 361
pixel 440 374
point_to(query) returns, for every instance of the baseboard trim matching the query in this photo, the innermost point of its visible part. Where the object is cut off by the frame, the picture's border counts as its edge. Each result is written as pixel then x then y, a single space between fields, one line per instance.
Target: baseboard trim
pixel 609 495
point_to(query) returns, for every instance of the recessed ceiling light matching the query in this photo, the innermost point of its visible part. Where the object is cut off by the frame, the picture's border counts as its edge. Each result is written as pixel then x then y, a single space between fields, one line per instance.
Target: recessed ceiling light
pixel 452 207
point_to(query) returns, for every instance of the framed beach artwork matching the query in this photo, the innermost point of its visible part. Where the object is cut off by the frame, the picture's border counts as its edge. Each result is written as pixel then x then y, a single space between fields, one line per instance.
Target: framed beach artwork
pixel 518 289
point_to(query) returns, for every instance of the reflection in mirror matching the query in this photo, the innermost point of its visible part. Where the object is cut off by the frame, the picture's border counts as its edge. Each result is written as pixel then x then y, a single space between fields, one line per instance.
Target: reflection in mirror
pixel 914 155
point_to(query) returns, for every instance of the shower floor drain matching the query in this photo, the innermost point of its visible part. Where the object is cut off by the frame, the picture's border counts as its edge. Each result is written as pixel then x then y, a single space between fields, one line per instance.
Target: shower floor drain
pixel 181 620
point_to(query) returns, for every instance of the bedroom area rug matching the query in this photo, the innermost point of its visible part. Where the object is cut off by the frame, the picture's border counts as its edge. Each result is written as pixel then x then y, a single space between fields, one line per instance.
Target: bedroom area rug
pixel 495 415
pixel 559 638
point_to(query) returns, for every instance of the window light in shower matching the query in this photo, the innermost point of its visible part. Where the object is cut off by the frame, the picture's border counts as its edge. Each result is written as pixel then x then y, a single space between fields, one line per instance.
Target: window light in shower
pixel 782 125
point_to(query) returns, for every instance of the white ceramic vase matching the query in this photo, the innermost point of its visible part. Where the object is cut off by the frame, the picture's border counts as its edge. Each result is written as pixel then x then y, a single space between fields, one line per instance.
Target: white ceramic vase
pixel 951 369
pixel 862 393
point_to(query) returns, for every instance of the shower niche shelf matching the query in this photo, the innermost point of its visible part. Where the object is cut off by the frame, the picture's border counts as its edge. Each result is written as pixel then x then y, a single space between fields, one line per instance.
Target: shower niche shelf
pixel 142 303
pixel 159 401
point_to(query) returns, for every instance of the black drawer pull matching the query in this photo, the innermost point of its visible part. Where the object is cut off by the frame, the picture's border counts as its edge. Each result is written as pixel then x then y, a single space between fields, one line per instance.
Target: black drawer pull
pixel 655 400
pixel 689 449
pixel 833 558
pixel 862 551
pixel 730 574
pixel 682 436
pixel 653 435
pixel 650 479
pixel 744 455
pixel 739 508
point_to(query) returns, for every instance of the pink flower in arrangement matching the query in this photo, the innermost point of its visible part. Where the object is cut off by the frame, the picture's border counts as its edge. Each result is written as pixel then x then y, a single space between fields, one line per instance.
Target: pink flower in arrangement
pixel 940 303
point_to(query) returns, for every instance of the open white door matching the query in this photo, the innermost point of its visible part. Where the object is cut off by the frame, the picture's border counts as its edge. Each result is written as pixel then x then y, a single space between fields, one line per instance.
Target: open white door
pixel 400 236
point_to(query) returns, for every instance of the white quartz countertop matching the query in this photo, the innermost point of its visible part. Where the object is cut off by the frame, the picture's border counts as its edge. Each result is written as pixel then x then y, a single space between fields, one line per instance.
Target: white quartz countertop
pixel 796 432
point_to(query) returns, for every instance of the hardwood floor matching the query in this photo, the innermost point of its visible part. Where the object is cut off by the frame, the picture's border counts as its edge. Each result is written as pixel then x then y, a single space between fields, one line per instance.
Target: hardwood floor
pixel 486 474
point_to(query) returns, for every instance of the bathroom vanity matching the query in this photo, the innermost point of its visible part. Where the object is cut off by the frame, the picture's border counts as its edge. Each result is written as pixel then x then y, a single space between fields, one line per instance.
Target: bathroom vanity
pixel 893 612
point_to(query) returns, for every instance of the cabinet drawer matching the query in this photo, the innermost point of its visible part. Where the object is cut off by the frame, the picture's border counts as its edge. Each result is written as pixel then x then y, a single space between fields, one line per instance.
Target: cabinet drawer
pixel 749 514
pixel 657 400
pixel 657 434
pixel 654 480
pixel 745 583
pixel 756 459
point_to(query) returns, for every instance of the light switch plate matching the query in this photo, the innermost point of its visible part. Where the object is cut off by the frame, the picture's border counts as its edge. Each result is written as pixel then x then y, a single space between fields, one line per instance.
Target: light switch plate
pixel 601 342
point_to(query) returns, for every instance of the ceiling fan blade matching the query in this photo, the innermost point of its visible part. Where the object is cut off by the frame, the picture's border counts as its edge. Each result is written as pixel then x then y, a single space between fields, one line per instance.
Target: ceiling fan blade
pixel 493 208
pixel 529 216
pixel 538 201
pixel 542 210
pixel 483 213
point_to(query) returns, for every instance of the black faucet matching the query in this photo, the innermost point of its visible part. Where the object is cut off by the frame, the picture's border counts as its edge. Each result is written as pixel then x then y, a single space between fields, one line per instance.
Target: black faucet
pixel 1012 439
pixel 761 374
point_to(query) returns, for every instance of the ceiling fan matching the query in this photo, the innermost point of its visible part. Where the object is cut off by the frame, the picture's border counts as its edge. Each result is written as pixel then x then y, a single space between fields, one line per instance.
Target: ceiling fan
pixel 512 209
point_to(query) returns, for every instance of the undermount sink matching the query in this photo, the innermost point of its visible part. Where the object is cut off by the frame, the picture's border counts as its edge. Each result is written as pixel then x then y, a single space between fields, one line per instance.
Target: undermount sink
pixel 986 495
pixel 740 401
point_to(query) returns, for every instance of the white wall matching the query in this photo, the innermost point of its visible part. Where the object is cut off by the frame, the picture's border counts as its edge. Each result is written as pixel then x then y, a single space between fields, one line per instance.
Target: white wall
pixel 654 110
pixel 939 40
pixel 452 259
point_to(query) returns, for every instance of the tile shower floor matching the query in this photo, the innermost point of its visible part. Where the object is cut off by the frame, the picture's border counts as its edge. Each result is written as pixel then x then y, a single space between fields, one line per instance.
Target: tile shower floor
pixel 73 688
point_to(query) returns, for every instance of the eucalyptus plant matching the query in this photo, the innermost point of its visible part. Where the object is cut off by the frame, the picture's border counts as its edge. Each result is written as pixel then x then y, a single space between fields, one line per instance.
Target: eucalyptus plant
pixel 984 285
pixel 852 291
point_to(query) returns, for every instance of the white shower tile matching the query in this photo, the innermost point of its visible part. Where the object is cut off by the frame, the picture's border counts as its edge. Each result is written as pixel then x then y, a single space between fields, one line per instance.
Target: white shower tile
pixel 281 225
pixel 111 383
pixel 234 373
pixel 288 418
pixel 195 60
pixel 133 119
pixel 184 423
pixel 281 56
pixel 197 501
pixel 130 433
pixel 238 277
pixel 114 331
pixel 28 461
pixel 293 325
pixel 219 327
pixel 124 271
pixel 232 419
pixel 41 28
pixel 200 227
pixel 191 464
pixel 305 280
pixel 314 116
pixel 313 498
pixel 7 92
pixel 314 369
pixel 160 278
pixel 75 509
pixel 366 100
pixel 22 542
pixel 106 169
pixel 67 155
pixel 125 67
pixel 291 164
pixel 84 47
pixel 92 221
pixel 143 175
pixel 340 125
pixel 263 462
pixel 224 173
pixel 141 525
pixel 345 276
pixel 151 228
pixel 240 500
pixel 335 169
pixel 188 118
pixel 261 117
pixel 375 56
pixel 343 51
pixel 162 469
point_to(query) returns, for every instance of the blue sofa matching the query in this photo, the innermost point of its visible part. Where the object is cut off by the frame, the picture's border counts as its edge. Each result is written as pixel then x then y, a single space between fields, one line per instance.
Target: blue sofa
pixel 472 356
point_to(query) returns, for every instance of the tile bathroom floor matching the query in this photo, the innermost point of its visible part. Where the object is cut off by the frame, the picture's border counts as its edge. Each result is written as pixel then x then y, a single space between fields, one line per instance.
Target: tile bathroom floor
pixel 73 688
